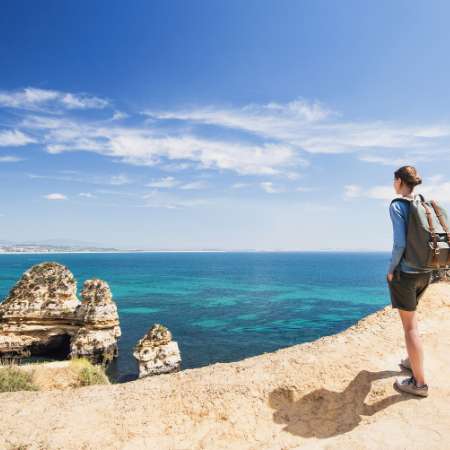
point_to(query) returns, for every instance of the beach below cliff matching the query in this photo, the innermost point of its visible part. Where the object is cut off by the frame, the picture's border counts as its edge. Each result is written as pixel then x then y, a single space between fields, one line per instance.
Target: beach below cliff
pixel 336 392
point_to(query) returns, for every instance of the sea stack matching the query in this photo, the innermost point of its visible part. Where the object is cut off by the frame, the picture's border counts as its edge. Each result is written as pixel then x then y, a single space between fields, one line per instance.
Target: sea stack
pixel 97 338
pixel 43 316
pixel 157 353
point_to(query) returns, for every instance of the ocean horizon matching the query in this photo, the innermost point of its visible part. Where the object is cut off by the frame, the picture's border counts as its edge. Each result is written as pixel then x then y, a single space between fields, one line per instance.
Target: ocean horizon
pixel 225 306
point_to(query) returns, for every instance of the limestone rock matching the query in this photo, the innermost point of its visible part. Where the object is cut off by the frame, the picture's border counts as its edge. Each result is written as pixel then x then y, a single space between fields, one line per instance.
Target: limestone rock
pixel 43 316
pixel 157 353
pixel 97 339
pixel 46 290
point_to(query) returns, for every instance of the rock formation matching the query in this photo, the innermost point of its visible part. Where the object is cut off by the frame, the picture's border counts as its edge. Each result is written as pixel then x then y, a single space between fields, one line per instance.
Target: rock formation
pixel 157 353
pixel 43 316
pixel 97 338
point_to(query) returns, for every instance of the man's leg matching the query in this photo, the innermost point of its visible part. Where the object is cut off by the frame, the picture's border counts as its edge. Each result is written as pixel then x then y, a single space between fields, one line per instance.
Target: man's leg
pixel 413 344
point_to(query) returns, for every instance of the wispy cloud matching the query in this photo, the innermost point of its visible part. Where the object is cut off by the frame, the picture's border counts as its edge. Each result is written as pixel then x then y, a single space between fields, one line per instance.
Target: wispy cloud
pixel 434 187
pixel 10 159
pixel 119 180
pixel 144 146
pixel 312 127
pixel 305 189
pixel 84 178
pixel 14 138
pixel 352 191
pixel 34 99
pixel 55 196
pixel 119 115
pixel 270 188
pixel 86 195
pixel 273 139
pixel 239 185
pixel 200 184
pixel 157 199
pixel 166 182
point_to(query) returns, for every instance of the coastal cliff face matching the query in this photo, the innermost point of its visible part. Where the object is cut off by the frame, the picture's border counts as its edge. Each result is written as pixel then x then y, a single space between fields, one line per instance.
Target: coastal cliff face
pixel 157 353
pixel 335 393
pixel 43 316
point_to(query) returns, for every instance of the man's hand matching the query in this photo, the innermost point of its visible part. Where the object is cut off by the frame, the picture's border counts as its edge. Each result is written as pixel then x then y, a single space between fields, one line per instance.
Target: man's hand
pixel 390 277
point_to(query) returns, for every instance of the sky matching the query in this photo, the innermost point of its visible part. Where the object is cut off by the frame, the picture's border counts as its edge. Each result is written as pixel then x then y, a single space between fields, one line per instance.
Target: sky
pixel 232 125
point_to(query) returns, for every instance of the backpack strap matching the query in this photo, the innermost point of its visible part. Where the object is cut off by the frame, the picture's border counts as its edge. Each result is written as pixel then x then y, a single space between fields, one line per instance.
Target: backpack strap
pixel 407 200
pixel 441 219
pixel 433 233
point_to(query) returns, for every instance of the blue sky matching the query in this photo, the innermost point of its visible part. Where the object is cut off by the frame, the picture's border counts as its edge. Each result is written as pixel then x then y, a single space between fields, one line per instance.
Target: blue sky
pixel 219 124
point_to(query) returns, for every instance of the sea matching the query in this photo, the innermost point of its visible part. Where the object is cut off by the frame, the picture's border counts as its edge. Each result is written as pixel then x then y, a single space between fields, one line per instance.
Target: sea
pixel 225 306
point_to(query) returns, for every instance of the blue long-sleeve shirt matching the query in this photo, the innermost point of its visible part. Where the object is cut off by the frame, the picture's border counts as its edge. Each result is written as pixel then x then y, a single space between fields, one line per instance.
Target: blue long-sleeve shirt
pixel 399 212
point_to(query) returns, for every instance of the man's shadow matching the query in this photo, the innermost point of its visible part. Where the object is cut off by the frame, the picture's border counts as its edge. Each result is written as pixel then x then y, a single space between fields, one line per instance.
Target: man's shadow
pixel 323 413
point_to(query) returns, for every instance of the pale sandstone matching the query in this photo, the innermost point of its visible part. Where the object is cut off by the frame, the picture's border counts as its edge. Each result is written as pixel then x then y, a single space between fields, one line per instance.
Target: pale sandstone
pixel 42 315
pixel 156 353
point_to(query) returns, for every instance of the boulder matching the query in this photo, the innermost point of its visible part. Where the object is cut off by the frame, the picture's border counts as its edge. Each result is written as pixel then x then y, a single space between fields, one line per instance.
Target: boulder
pixel 156 353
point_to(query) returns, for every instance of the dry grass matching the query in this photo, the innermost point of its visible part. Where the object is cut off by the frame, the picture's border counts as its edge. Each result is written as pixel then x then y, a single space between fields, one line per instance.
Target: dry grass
pixel 87 373
pixel 13 379
pixel 47 376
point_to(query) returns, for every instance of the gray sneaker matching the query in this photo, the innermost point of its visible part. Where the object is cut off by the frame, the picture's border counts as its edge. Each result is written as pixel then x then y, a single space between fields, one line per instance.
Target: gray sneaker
pixel 409 385
pixel 405 363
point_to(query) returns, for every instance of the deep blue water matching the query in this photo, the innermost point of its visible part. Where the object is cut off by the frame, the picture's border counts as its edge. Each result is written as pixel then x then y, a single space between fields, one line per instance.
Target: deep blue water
pixel 226 306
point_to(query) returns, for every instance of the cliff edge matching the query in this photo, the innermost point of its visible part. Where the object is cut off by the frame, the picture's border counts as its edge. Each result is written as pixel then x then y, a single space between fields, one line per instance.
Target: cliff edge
pixel 336 392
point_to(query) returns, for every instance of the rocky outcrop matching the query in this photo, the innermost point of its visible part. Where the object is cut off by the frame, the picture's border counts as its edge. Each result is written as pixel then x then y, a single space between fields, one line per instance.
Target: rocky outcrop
pixel 43 316
pixel 157 353
pixel 97 338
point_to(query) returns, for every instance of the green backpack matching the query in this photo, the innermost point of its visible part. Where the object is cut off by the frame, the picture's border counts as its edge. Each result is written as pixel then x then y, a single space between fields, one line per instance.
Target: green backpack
pixel 428 235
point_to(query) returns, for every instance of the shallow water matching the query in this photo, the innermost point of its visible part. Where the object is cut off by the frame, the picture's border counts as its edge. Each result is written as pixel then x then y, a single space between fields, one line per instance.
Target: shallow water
pixel 226 306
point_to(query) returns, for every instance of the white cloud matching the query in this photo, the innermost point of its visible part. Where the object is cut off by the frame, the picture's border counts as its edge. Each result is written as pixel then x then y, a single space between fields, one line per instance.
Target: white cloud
pixel 10 159
pixel 408 158
pixel 304 189
pixel 86 195
pixel 433 188
pixel 276 135
pixel 14 138
pixel 201 184
pixel 43 99
pixel 269 187
pixel 143 146
pixel 119 180
pixel 352 191
pixel 157 199
pixel 119 115
pixel 167 182
pixel 55 196
pixel 313 128
pixel 239 185
pixel 72 101
pixel 293 175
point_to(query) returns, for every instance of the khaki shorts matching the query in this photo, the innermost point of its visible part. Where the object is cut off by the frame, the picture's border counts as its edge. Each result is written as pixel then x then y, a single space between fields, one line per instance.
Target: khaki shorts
pixel 406 289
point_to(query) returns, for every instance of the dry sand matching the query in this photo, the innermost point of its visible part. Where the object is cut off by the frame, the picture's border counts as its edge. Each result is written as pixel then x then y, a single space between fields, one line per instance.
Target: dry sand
pixel 334 393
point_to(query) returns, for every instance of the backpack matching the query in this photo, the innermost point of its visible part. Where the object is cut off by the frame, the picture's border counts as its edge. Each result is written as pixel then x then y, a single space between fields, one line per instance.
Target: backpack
pixel 428 235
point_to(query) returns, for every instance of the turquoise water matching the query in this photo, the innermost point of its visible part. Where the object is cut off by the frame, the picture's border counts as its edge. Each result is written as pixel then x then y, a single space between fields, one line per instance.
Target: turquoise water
pixel 226 306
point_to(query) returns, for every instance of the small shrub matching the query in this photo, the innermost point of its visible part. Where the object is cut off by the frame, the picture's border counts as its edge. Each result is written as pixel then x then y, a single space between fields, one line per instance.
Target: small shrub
pixel 88 373
pixel 13 379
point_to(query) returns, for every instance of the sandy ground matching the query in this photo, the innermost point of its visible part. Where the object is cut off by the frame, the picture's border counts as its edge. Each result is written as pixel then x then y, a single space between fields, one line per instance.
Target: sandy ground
pixel 334 393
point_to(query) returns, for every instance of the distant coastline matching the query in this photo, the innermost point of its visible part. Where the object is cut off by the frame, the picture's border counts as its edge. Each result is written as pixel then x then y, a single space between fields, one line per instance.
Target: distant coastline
pixel 50 252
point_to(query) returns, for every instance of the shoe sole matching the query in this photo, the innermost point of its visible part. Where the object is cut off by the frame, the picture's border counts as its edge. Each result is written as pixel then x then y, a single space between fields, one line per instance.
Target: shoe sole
pixel 416 394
